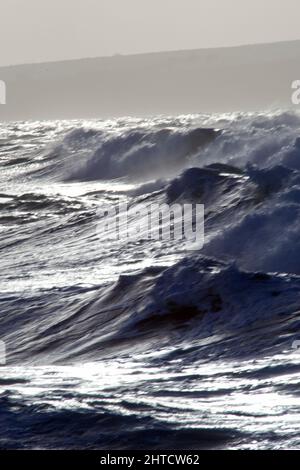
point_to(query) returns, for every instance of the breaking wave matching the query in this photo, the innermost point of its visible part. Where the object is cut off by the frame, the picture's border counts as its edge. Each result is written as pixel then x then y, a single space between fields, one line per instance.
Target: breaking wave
pixel 179 326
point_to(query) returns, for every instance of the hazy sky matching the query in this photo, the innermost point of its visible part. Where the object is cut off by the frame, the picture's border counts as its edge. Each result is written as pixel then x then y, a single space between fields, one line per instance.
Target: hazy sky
pixel 44 30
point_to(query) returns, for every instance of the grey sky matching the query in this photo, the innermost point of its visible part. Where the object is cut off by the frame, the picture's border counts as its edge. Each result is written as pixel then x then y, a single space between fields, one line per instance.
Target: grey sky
pixel 45 30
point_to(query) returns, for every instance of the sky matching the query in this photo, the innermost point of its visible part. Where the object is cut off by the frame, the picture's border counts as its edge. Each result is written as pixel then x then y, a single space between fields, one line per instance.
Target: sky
pixel 48 30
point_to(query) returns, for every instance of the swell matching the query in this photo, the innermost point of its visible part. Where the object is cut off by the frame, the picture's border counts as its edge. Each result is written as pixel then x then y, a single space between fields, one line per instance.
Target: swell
pixel 147 344
pixel 195 300
pixel 132 153
pixel 246 175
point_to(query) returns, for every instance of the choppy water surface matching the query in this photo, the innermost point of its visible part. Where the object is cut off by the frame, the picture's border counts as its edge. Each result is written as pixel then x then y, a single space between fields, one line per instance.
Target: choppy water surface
pixel 146 344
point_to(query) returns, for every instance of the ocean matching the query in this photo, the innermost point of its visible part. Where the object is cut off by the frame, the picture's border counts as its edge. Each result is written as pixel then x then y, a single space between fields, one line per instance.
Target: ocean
pixel 145 343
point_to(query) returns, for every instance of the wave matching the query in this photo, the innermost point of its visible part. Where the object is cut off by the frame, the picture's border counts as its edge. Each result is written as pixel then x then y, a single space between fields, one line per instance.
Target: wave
pixel 89 155
pixel 197 299
pixel 118 343
pixel 156 147
pixel 245 174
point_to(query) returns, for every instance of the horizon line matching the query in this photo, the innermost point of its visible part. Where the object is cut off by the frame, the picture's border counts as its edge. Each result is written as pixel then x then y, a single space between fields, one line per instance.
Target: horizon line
pixel 167 51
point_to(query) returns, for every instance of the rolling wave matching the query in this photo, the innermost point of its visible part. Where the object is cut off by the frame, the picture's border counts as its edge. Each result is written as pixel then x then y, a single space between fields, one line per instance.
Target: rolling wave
pixel 167 334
